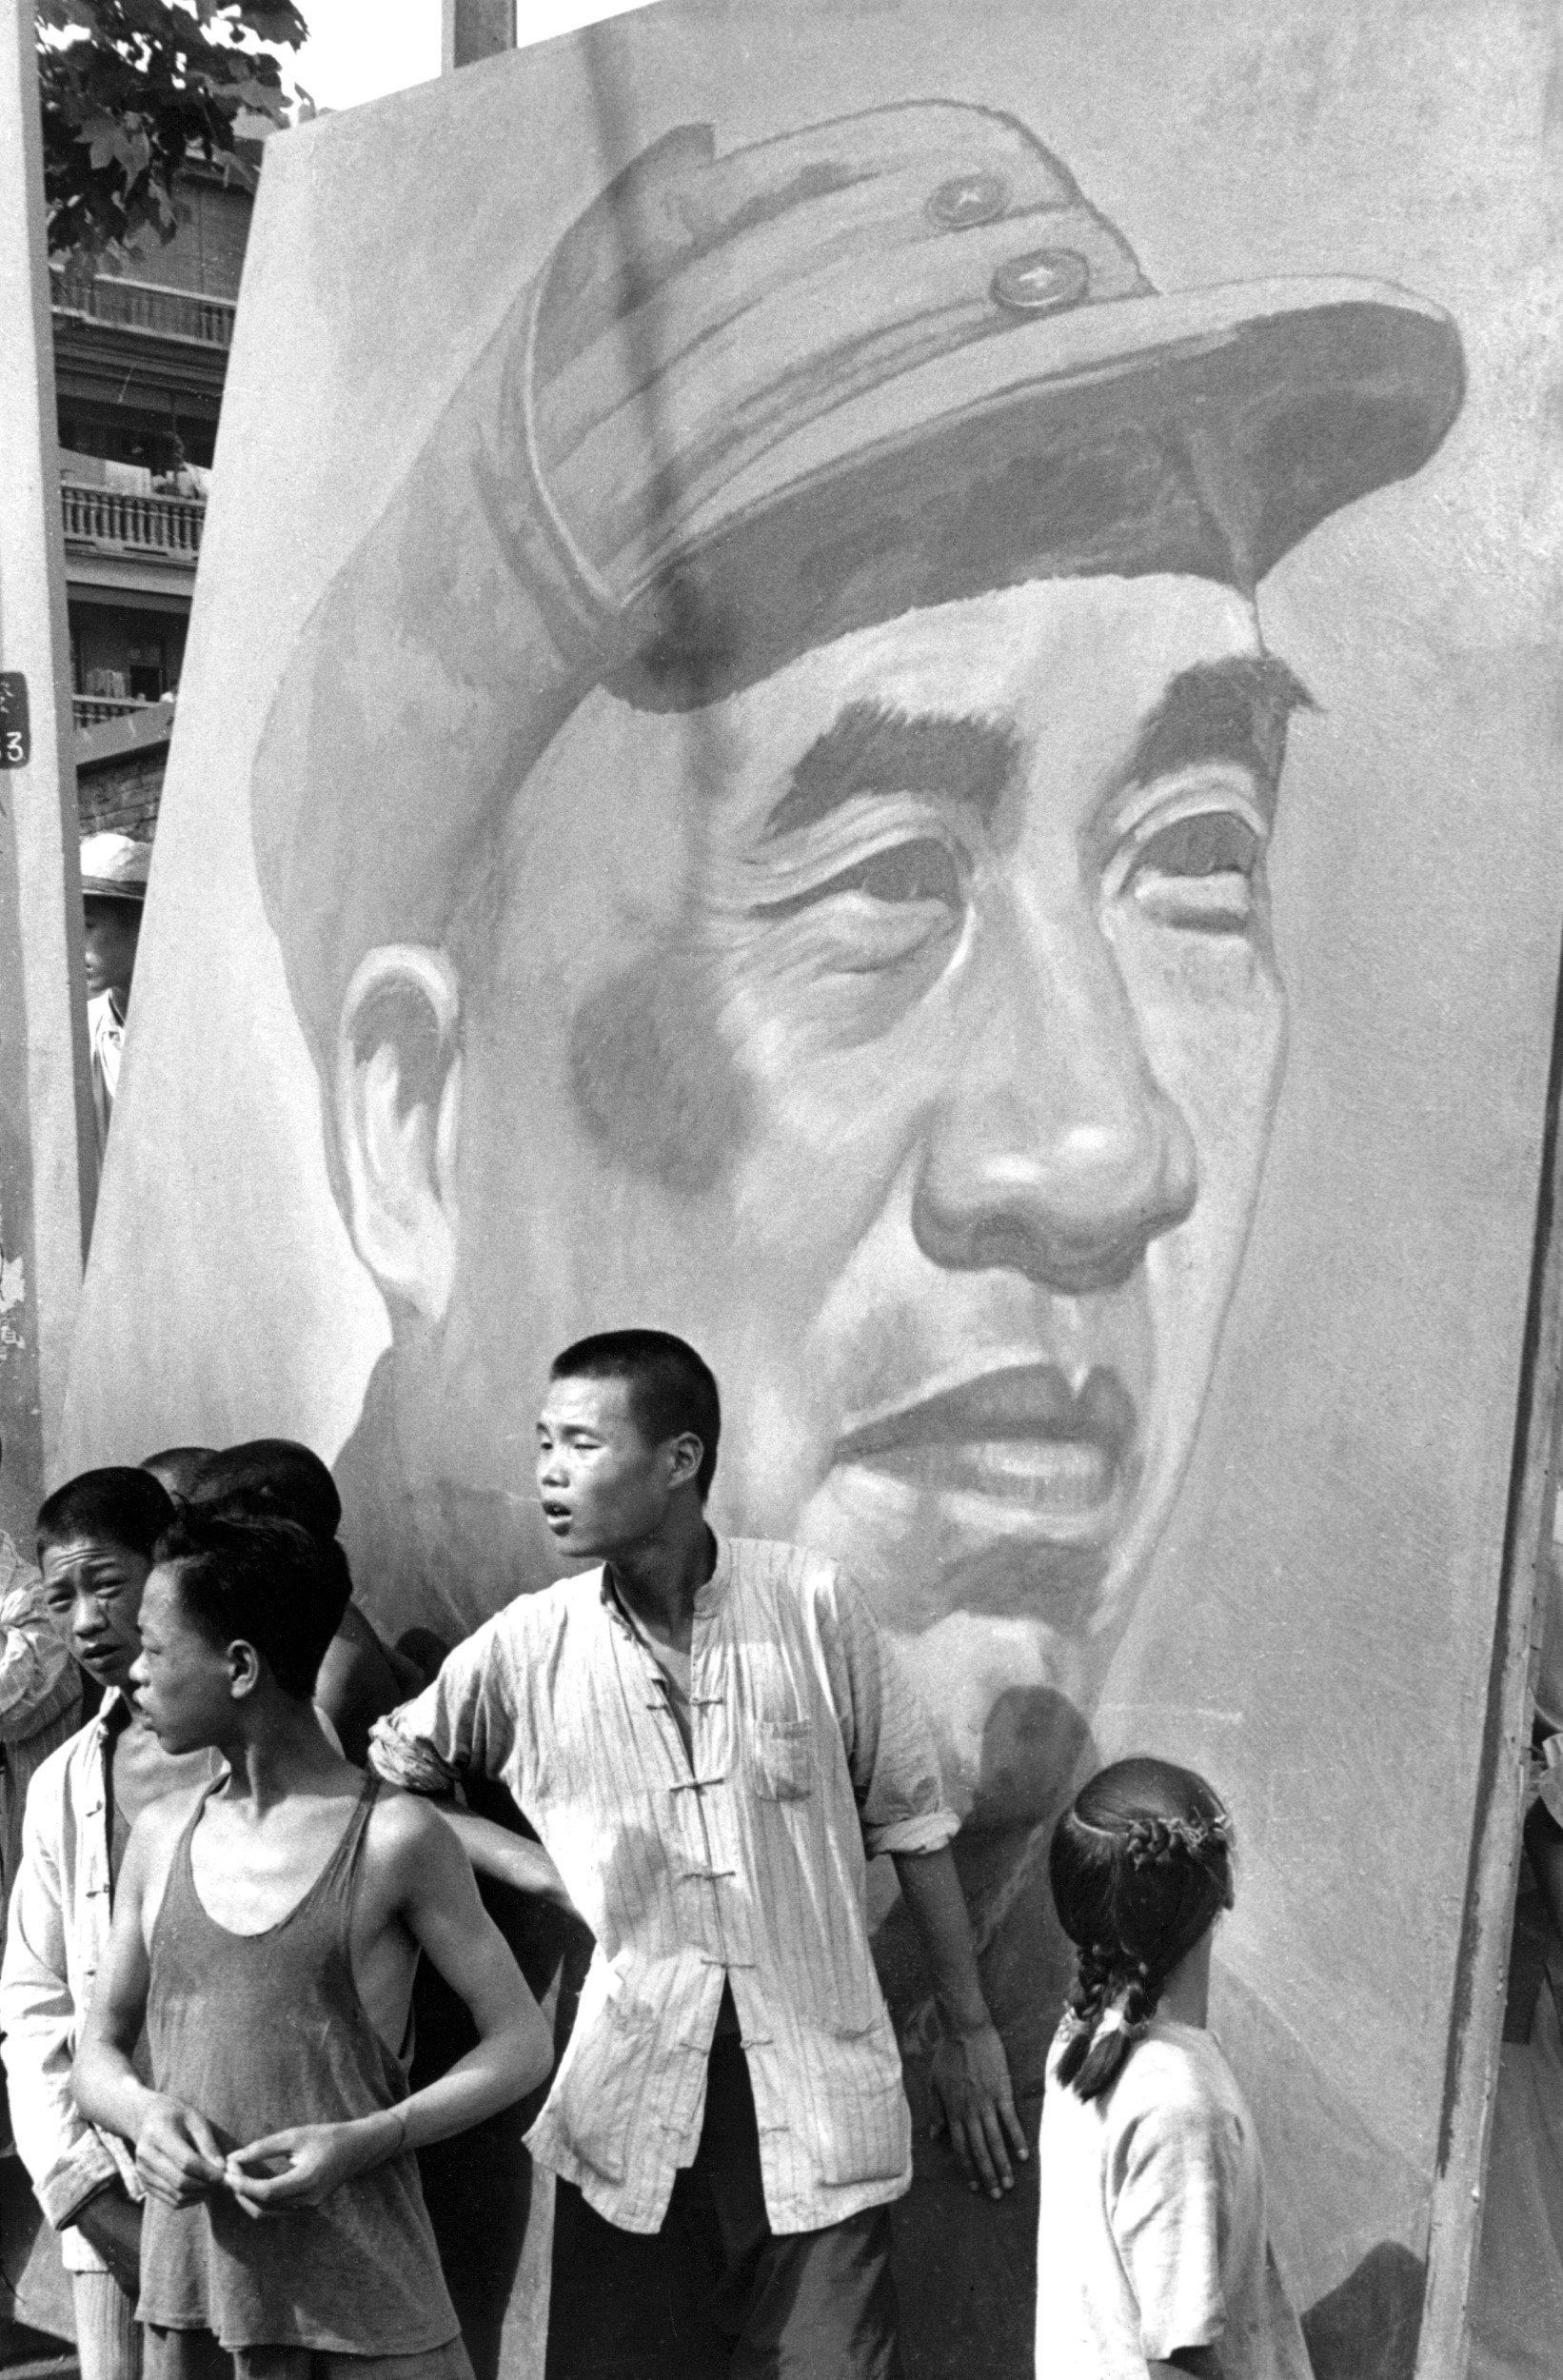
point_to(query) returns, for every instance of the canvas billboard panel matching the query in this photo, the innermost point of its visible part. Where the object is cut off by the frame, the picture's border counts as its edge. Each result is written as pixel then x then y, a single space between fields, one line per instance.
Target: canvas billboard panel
pixel 876 683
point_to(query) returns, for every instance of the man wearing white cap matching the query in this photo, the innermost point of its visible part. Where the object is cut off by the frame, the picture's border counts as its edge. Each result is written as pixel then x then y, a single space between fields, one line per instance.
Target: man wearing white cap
pixel 113 894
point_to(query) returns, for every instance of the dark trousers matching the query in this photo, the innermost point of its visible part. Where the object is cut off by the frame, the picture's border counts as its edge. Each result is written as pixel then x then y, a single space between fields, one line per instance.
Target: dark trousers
pixel 716 2294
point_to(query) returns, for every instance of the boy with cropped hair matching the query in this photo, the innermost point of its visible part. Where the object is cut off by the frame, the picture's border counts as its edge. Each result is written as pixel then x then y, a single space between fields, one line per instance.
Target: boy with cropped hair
pixel 96 1539
pixel 712 1737
pixel 361 1678
pixel 266 1932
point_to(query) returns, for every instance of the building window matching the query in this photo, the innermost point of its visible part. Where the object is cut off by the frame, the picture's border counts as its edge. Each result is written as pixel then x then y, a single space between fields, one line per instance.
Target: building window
pixel 147 679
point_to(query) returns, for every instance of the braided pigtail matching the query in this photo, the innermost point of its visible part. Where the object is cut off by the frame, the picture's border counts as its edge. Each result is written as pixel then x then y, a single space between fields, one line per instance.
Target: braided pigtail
pixel 1122 2026
pixel 1140 1868
pixel 1089 1995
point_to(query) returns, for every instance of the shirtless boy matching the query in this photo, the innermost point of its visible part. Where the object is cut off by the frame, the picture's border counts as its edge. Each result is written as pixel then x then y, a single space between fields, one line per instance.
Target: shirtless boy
pixel 266 1932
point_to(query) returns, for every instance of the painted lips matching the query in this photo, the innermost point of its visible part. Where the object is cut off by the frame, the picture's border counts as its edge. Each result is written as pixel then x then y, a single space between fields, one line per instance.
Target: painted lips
pixel 1024 1434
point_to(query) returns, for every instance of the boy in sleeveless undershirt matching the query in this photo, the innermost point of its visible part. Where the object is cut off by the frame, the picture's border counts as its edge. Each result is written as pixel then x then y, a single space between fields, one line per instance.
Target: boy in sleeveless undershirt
pixel 266 1932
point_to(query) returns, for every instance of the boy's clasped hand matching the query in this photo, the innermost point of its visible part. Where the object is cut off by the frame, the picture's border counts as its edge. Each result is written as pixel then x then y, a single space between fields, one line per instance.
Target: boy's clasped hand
pixel 180 2159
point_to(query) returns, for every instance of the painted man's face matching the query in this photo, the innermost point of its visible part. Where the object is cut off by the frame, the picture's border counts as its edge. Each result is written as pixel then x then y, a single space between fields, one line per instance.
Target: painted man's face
pixel 903 1031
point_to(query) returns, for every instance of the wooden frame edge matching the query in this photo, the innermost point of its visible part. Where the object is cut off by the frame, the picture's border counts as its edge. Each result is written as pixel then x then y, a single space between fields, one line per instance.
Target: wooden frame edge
pixel 1482 1971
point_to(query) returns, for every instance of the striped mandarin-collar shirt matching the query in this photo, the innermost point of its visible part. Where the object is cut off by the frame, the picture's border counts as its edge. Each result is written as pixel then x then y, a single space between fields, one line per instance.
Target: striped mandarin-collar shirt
pixel 743 1861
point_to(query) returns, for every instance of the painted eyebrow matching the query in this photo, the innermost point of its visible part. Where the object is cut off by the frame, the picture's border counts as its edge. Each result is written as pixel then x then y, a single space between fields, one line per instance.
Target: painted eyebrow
pixel 871 749
pixel 1235 710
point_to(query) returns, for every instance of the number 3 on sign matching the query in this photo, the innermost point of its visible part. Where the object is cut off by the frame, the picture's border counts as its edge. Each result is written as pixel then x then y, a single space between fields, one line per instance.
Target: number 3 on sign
pixel 15 736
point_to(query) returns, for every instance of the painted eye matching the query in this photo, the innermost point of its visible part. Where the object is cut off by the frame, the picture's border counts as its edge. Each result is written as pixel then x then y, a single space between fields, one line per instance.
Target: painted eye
pixel 1197 871
pixel 922 870
pixel 1212 842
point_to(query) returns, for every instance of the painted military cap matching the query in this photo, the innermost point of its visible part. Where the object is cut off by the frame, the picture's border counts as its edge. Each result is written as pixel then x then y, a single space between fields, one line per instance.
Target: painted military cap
pixel 115 868
pixel 755 401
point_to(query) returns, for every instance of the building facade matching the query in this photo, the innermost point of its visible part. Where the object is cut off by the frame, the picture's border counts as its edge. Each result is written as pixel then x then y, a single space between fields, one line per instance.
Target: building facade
pixel 140 359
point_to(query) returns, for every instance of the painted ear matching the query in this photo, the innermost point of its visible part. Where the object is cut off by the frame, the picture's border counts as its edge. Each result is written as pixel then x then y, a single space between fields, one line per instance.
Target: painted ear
pixel 398 1101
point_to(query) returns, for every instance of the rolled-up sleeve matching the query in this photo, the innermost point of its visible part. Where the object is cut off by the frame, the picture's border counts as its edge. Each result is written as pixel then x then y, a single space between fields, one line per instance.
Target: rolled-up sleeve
pixel 465 1719
pixel 890 1750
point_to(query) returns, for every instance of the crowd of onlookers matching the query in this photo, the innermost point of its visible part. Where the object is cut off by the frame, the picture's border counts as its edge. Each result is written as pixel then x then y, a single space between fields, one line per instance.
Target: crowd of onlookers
pixel 73 1645
pixel 218 1903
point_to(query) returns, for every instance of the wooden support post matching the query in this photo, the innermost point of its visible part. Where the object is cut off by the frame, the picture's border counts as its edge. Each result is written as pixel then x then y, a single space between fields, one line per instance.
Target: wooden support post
pixel 476 28
pixel 48 1150
pixel 1481 1980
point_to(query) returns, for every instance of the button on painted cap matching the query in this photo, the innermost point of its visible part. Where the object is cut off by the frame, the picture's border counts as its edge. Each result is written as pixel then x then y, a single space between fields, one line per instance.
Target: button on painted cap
pixel 1042 281
pixel 968 199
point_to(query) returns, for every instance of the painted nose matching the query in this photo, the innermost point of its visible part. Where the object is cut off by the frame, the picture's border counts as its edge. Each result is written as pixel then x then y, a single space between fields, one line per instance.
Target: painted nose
pixel 1055 1153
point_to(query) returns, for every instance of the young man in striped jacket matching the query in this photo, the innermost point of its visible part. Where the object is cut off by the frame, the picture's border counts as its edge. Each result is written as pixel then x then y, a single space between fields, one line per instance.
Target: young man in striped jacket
pixel 712 1737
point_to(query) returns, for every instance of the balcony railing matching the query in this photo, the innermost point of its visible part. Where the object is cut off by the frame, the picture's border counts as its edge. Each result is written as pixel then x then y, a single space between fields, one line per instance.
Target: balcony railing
pixel 90 710
pixel 207 322
pixel 167 527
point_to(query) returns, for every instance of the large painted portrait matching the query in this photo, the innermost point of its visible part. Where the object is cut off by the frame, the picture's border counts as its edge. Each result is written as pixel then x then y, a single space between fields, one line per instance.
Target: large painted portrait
pixel 876 683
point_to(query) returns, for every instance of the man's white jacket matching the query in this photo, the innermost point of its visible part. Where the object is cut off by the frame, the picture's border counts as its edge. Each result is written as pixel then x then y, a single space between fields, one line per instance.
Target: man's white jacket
pixel 55 1943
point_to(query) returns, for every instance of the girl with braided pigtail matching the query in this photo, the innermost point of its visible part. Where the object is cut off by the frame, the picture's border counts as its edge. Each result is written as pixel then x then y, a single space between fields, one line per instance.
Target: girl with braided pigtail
pixel 1154 2254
